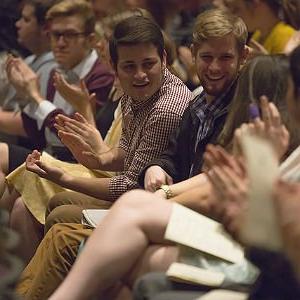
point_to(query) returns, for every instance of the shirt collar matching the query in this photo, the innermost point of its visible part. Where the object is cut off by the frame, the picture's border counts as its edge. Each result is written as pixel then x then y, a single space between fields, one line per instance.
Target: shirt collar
pixel 201 107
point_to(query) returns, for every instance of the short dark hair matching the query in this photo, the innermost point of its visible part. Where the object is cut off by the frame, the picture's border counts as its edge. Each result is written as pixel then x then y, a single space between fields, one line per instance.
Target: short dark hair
pixel 40 9
pixel 136 30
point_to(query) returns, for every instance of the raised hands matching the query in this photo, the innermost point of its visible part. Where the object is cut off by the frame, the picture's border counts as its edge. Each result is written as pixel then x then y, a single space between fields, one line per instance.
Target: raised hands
pixel 269 126
pixel 77 96
pixel 44 170
pixel 23 78
pixel 83 139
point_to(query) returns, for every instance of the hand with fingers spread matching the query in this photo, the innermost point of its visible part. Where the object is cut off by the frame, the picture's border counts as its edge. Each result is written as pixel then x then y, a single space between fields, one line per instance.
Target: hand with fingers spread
pixel 83 129
pixel 155 176
pixel 77 96
pixel 24 79
pixel 230 186
pixel 83 139
pixel 44 170
pixel 274 130
pixel 269 126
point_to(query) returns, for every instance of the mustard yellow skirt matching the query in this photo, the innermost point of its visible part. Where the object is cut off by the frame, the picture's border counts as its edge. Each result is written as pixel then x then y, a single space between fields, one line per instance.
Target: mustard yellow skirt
pixel 37 191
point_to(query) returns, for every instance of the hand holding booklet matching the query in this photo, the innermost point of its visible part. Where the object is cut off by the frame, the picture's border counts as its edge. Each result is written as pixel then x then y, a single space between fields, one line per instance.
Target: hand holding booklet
pixel 260 226
pixel 207 252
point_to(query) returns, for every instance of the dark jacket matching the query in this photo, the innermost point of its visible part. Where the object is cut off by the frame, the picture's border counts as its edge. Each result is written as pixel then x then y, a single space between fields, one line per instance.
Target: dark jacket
pixel 180 155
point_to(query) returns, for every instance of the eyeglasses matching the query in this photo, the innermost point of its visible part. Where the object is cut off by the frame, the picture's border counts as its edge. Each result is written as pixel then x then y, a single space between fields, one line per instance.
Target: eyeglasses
pixel 68 36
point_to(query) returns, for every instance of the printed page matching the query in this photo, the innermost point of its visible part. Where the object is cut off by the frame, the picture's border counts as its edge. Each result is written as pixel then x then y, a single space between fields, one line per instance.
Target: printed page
pixel 189 228
pixel 190 274
pixel 92 217
pixel 290 168
pixel 224 295
pixel 260 227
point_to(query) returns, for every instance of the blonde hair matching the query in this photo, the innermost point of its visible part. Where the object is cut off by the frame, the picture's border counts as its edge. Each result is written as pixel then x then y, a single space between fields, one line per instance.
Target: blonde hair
pixel 215 23
pixel 67 8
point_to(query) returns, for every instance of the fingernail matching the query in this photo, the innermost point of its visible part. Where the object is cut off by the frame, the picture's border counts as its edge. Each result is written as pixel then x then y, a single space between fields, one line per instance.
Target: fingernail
pixel 253 111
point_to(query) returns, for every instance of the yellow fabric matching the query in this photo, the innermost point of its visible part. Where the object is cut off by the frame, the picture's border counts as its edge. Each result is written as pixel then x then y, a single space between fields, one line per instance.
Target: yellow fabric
pixel 277 39
pixel 37 191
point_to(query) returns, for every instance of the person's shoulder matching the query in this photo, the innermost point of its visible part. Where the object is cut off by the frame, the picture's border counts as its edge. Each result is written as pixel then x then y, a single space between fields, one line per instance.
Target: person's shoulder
pixel 279 37
pixel 283 28
pixel 173 95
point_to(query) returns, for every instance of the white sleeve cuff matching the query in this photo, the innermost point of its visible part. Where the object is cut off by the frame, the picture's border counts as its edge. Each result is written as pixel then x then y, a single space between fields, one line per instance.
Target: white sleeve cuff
pixel 43 110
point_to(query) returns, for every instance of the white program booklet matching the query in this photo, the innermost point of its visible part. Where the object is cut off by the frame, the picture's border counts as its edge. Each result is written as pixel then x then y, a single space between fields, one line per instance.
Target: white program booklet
pixel 260 227
pixel 190 274
pixel 224 295
pixel 189 228
pixel 92 217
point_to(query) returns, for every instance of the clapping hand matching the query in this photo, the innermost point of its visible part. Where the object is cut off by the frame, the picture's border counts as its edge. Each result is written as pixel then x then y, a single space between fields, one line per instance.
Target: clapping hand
pixel 77 95
pixel 23 78
pixel 268 126
pixel 230 186
pixel 83 139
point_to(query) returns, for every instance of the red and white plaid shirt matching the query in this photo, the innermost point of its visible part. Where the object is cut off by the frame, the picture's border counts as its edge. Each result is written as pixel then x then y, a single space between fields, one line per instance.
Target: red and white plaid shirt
pixel 147 126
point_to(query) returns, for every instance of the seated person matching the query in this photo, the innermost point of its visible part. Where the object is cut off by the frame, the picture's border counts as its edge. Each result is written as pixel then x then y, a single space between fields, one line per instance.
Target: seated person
pixel 197 198
pixel 152 107
pixel 270 33
pixel 38 115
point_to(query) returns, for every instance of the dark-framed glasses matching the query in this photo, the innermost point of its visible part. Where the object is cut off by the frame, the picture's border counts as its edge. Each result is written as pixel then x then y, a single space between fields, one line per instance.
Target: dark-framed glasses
pixel 68 36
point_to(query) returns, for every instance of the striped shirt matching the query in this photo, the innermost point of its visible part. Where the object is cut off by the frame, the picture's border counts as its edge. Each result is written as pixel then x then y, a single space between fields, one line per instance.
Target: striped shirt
pixel 146 128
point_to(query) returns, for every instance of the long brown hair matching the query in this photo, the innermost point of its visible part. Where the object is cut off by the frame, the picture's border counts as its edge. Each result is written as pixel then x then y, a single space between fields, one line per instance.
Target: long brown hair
pixel 262 75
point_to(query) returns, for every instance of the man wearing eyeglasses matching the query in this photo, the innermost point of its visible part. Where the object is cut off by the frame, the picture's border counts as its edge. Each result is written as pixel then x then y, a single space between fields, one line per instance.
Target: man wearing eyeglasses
pixel 71 32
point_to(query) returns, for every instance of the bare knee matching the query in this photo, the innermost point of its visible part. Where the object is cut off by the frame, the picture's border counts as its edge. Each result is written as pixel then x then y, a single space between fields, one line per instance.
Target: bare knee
pixel 135 200
pixel 63 214
pixel 56 201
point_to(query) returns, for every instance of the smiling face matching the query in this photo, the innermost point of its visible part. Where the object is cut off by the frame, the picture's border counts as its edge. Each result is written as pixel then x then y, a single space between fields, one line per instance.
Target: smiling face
pixel 140 70
pixel 217 62
pixel 69 42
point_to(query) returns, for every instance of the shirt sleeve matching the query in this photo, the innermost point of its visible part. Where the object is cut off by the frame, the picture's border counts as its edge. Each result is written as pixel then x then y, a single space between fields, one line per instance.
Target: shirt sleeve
pixel 154 140
pixel 42 112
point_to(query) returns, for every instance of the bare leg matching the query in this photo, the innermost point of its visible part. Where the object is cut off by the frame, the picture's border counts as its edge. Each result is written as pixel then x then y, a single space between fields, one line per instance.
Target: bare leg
pixel 29 229
pixel 136 220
